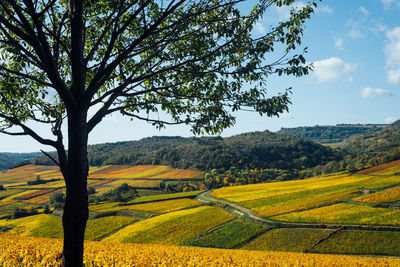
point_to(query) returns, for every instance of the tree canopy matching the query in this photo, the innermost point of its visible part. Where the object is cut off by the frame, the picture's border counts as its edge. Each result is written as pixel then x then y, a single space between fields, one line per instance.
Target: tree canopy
pixel 197 61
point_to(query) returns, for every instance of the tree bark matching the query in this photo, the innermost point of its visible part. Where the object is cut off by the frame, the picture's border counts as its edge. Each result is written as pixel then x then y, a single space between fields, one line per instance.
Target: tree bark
pixel 76 203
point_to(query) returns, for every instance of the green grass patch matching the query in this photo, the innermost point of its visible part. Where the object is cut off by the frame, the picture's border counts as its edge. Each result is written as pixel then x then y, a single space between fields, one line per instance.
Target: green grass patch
pixel 361 242
pixel 287 239
pixel 229 235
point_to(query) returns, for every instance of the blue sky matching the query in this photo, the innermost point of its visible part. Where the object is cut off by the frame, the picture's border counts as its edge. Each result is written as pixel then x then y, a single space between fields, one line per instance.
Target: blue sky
pixel 355 48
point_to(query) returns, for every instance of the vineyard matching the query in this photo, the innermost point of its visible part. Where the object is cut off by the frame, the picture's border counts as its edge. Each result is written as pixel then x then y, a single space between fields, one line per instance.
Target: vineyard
pixel 341 213
pixel 20 251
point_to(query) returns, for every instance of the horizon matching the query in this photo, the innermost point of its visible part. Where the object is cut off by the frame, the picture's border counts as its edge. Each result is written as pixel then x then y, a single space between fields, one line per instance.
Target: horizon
pixel 223 136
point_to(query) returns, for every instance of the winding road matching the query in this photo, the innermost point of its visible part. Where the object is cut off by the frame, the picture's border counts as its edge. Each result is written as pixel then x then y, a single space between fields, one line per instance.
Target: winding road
pixel 238 209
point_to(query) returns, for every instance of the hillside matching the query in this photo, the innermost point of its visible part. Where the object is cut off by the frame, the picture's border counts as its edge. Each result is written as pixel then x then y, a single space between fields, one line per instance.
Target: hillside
pixel 8 160
pixel 249 150
pixel 341 213
pixel 332 134
pixel 370 149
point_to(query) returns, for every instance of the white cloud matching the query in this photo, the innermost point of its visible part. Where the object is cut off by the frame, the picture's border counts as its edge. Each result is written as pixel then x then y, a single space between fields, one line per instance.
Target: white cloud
pixel 390 119
pixel 392 52
pixel 332 69
pixel 363 10
pixel 339 43
pixel 369 92
pixel 260 28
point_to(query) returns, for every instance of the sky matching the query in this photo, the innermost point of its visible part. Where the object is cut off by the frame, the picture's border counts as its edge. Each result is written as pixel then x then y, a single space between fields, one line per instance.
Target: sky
pixel 354 47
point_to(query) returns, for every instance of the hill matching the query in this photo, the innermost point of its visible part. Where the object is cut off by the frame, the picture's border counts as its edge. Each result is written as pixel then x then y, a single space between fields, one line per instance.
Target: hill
pixel 343 213
pixel 8 160
pixel 265 150
pixel 332 134
pixel 368 149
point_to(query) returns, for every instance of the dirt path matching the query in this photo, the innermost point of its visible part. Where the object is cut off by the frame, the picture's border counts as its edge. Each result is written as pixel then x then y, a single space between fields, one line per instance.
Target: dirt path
pixel 207 198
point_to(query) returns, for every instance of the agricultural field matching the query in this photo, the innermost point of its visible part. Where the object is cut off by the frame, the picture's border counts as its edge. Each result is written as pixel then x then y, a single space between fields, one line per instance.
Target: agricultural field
pixel 156 207
pixel 389 195
pixel 147 171
pixel 361 243
pixel 174 228
pixel 17 251
pixel 386 168
pixel 152 198
pixel 229 235
pixel 287 239
pixel 181 219
pixel 344 213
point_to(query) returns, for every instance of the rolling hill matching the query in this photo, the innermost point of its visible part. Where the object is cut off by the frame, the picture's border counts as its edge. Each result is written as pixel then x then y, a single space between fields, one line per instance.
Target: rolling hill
pixel 249 150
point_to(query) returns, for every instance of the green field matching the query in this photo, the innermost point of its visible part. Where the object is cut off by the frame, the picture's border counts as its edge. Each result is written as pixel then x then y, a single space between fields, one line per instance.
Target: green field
pixel 287 239
pixel 229 235
pixel 361 243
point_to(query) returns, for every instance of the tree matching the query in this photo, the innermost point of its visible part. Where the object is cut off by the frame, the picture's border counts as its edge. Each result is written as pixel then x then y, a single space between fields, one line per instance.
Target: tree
pixel 196 61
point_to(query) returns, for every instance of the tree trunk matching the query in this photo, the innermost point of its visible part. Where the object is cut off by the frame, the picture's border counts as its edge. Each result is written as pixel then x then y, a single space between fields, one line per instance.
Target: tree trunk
pixel 76 203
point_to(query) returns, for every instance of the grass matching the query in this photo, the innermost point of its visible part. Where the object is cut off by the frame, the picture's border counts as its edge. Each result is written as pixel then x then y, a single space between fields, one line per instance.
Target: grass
pixel 287 239
pixel 174 228
pixel 345 214
pixel 229 235
pixel 361 242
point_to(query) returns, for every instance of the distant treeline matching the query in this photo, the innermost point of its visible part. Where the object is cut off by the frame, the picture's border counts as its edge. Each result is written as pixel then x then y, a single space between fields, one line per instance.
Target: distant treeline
pixel 262 150
pixel 9 160
pixel 366 150
pixel 331 134
pixel 254 157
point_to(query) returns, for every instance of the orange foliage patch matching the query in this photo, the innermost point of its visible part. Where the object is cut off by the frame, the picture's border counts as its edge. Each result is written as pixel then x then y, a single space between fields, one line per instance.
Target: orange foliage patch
pixel 380 167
